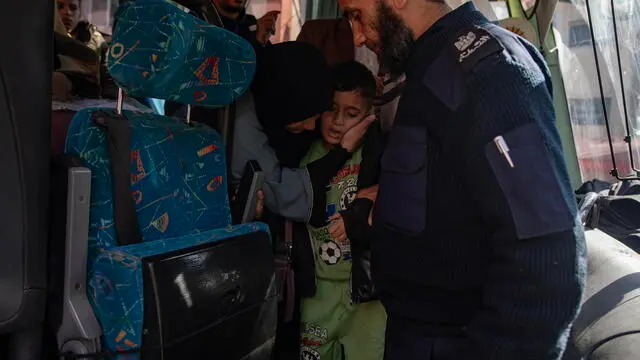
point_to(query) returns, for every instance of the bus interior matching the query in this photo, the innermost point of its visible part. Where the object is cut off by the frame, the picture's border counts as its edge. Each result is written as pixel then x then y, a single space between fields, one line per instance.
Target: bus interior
pixel 592 48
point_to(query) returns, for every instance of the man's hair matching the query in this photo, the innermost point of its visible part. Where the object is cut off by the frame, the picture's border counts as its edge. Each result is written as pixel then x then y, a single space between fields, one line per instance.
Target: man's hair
pixel 352 75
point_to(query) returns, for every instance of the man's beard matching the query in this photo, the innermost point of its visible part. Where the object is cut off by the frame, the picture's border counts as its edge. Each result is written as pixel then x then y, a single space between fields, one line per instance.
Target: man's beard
pixel 396 41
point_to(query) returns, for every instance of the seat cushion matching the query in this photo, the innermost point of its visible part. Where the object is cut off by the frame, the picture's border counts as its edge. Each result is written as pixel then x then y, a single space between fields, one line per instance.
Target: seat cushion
pixel 190 282
pixel 178 176
pixel 611 304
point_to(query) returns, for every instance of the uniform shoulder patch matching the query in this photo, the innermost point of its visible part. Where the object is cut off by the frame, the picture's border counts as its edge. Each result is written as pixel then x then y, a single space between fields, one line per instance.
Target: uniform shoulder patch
pixel 473 45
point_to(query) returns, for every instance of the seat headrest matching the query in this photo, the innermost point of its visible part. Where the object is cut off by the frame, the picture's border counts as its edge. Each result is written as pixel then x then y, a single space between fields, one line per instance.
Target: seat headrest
pixel 161 51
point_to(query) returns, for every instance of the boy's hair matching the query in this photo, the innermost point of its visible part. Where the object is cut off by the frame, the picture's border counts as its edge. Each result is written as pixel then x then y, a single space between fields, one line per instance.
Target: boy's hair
pixel 352 75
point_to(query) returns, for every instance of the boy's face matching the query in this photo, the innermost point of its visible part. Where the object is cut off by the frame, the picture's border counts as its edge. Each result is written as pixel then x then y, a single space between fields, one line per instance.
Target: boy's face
pixel 349 108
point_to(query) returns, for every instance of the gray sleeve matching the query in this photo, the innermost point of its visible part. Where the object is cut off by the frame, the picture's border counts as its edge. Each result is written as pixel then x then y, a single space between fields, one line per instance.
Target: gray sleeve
pixel 288 192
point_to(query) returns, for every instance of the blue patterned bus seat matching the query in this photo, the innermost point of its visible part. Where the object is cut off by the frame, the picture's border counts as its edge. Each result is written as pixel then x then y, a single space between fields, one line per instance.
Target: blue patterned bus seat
pixel 178 171
pixel 160 51
pixel 178 176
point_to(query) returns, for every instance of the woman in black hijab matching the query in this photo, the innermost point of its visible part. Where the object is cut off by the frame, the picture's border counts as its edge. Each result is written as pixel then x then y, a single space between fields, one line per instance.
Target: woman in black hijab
pixel 275 125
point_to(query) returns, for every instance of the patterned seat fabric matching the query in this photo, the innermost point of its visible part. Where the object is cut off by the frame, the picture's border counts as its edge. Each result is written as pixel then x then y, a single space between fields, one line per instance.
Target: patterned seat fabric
pixel 178 176
pixel 115 283
pixel 178 171
pixel 162 52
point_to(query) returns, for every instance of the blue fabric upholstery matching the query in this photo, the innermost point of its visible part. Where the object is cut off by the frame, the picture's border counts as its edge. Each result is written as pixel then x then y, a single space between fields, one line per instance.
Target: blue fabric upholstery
pixel 178 182
pixel 178 177
pixel 178 171
pixel 115 282
pixel 160 51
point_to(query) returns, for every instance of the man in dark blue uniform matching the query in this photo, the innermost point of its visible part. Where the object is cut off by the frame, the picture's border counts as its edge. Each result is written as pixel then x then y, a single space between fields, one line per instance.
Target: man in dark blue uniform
pixel 480 254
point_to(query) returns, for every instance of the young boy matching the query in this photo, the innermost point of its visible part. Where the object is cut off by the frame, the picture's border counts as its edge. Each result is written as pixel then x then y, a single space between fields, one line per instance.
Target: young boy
pixel 332 323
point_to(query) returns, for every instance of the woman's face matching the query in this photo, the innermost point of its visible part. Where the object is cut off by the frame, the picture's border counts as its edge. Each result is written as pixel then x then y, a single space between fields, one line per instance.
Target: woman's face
pixel 308 124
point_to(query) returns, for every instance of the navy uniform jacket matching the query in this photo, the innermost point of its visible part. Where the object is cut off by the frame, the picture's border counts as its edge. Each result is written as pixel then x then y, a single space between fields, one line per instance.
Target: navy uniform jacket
pixel 469 247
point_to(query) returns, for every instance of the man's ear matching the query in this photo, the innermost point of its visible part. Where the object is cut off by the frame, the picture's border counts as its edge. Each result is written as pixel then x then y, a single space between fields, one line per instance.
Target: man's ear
pixel 398 5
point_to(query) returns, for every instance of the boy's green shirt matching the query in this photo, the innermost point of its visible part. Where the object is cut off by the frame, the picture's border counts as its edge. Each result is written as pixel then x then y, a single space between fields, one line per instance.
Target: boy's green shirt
pixel 332 257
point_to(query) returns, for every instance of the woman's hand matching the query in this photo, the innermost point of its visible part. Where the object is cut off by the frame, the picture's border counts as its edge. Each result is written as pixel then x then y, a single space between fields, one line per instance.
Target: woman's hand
pixel 337 229
pixel 259 204
pixel 354 136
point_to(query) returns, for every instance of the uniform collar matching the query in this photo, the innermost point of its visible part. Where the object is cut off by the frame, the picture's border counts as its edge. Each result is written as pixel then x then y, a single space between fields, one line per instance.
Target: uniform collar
pixel 429 45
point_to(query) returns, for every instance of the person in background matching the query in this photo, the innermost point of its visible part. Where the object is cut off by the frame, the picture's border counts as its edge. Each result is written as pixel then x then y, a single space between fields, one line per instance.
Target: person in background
pixel 76 67
pixel 83 31
pixel 480 253
pixel 339 313
pixel 332 36
pixel 232 15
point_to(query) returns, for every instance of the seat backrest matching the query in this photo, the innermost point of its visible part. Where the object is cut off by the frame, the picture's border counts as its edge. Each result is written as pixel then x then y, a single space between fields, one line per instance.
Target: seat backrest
pixel 611 306
pixel 178 171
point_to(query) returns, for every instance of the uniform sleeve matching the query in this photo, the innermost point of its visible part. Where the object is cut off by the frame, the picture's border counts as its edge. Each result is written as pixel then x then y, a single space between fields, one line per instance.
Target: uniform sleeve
pixel 288 192
pixel 535 277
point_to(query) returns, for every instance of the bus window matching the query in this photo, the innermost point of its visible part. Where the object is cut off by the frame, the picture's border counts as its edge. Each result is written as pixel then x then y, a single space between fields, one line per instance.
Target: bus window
pixel 613 95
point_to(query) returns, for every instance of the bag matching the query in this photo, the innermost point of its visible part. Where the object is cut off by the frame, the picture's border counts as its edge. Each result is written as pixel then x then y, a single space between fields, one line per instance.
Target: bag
pixel 284 273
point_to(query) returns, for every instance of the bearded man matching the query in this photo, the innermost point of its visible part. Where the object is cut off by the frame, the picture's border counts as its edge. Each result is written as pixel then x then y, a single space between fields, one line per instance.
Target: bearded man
pixel 479 252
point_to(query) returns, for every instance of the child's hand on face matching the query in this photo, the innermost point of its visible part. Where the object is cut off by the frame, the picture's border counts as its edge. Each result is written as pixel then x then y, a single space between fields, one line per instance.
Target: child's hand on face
pixel 336 229
pixel 354 136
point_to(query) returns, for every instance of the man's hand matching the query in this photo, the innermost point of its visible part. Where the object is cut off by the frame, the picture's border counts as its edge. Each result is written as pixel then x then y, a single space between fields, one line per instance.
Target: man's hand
pixel 354 136
pixel 370 193
pixel 337 229
pixel 61 87
pixel 267 26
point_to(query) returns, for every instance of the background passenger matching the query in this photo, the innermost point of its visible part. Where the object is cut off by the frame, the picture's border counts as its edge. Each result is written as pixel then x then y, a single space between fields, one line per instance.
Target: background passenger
pixel 82 31
pixel 232 16
pixel 75 66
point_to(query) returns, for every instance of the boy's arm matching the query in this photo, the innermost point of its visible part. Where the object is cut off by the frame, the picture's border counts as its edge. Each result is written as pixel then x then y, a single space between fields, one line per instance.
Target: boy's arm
pixel 356 221
pixel 320 173
pixel 356 217
pixel 322 170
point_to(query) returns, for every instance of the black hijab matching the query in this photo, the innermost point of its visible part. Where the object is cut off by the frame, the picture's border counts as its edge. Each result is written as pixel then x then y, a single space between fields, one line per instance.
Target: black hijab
pixel 292 83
